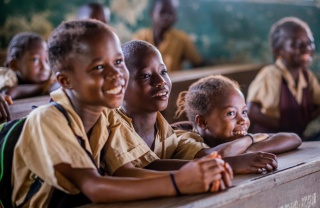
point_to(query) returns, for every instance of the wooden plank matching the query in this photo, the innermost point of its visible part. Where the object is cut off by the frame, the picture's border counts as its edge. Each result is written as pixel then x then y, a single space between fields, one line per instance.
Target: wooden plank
pixel 294 184
pixel 23 107
pixel 181 80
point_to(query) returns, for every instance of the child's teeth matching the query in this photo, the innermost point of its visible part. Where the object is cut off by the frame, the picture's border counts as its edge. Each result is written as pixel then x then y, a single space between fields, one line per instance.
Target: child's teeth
pixel 160 94
pixel 241 132
pixel 114 90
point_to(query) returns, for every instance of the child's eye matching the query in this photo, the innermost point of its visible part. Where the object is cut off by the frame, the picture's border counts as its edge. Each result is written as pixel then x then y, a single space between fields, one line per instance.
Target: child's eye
pixel 144 76
pixel 164 72
pixel 35 60
pixel 245 112
pixel 118 61
pixel 99 67
pixel 231 113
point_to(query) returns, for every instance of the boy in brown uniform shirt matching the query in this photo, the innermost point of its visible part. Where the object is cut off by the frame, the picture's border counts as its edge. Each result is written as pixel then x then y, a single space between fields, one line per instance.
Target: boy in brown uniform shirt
pixel 87 59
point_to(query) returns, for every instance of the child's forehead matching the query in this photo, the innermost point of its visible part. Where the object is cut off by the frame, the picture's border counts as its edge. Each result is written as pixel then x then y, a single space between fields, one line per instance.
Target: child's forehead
pixel 36 46
pixel 230 95
pixel 107 38
pixel 143 60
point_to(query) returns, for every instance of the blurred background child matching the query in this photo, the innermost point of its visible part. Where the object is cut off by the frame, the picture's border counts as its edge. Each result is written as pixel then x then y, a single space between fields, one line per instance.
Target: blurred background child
pixel 94 10
pixel 174 45
pixel 285 96
pixel 27 72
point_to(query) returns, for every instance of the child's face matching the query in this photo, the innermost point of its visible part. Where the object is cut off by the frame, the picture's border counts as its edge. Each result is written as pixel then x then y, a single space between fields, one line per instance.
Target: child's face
pixel 33 65
pixel 100 14
pixel 228 120
pixel 164 14
pixel 98 75
pixel 149 85
pixel 297 50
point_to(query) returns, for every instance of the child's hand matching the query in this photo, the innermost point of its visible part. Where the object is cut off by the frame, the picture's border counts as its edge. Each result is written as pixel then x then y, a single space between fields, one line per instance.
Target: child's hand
pixel 5 100
pixel 198 175
pixel 260 137
pixel 256 162
pixel 227 174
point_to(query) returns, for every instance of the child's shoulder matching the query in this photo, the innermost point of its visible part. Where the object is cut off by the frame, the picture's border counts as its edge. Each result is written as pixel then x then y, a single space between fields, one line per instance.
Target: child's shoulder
pixel 269 70
pixel 142 33
pixel 179 34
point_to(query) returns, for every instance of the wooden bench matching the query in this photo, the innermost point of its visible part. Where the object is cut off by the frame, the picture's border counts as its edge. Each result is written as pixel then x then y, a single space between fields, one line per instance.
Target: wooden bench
pixel 22 107
pixel 181 80
pixel 294 184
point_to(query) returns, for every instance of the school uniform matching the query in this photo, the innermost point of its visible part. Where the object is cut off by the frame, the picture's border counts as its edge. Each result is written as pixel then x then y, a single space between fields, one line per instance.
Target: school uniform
pixel 47 140
pixel 275 89
pixel 167 145
pixel 175 47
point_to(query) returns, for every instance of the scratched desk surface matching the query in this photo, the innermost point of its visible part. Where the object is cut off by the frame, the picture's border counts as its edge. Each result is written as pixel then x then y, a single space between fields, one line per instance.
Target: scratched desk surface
pixel 296 183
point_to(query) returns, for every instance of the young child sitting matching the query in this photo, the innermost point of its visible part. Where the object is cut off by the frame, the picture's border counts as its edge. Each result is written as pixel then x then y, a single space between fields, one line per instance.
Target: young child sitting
pixel 147 94
pixel 174 45
pixel 87 59
pixel 285 96
pixel 94 10
pixel 28 73
pixel 217 110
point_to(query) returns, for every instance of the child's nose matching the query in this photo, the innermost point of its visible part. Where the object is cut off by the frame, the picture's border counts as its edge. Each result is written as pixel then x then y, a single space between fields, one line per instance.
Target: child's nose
pixel 44 66
pixel 159 81
pixel 241 119
pixel 114 74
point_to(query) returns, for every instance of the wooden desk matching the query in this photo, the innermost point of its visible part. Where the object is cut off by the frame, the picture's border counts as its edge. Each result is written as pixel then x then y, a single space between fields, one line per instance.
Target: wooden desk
pixel 296 184
pixel 22 107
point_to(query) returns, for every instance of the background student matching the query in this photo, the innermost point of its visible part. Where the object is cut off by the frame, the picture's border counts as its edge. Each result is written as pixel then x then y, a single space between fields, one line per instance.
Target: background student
pixel 285 96
pixel 94 10
pixel 174 45
pixel 93 76
pixel 27 72
pixel 217 110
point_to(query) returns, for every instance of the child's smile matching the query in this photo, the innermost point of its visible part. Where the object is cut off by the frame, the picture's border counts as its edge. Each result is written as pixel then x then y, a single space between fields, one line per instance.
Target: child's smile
pixel 228 119
pixel 298 49
pixel 162 95
pixel 149 86
pixel 101 76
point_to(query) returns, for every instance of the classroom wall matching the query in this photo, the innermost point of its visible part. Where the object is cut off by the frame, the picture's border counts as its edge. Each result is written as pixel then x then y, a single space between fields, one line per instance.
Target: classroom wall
pixel 225 31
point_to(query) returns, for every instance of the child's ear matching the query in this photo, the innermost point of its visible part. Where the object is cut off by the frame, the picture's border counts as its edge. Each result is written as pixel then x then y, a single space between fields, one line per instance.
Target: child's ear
pixel 64 80
pixel 13 64
pixel 201 121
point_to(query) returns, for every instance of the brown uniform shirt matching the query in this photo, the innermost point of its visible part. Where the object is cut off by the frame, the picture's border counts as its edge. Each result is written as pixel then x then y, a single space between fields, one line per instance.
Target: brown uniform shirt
pixel 46 140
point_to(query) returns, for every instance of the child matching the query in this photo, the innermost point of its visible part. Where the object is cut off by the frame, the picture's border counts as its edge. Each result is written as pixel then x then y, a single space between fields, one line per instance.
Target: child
pixel 174 45
pixel 283 96
pixel 28 74
pixel 94 10
pixel 148 92
pixel 216 107
pixel 88 61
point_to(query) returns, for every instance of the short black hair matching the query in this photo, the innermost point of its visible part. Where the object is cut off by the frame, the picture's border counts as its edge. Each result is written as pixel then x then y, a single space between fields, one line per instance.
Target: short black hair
pixel 67 37
pixel 21 43
pixel 280 30
pixel 134 51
